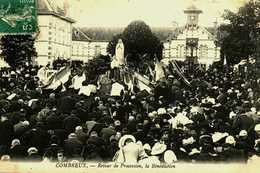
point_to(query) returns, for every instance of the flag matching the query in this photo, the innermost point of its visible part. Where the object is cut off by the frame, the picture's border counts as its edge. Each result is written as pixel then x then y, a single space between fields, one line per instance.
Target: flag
pixel 59 78
pixel 116 89
pixel 178 70
pixel 77 81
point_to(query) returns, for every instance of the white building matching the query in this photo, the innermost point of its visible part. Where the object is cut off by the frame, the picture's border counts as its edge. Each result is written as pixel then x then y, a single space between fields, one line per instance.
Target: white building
pixel 54 39
pixel 193 43
pixel 85 48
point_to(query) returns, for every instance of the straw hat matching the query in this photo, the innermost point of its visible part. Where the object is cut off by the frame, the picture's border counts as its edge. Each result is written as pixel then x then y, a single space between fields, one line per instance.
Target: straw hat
pixel 257 127
pixel 169 157
pixel 147 147
pixel 194 151
pixel 124 138
pixel 243 133
pixel 32 150
pixel 158 148
pixel 161 111
pixel 218 136
pixel 230 140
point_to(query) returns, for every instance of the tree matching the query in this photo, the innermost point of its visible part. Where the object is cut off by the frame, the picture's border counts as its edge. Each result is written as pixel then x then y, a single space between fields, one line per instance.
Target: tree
pixel 237 38
pixel 18 49
pixel 141 45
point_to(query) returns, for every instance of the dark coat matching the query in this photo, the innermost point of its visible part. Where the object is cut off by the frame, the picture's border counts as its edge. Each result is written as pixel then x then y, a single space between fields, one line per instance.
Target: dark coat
pixel 73 148
pixel 18 152
pixel 70 122
pixel 6 132
pixel 34 158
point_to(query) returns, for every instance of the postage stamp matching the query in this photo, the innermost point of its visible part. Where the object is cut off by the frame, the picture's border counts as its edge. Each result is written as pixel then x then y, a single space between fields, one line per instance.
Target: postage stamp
pixel 18 16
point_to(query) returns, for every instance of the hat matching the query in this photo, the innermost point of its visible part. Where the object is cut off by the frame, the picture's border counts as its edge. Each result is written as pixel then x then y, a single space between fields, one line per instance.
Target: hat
pixel 139 143
pixel 217 136
pixel 72 135
pixel 32 150
pixel 123 139
pixel 188 141
pixel 117 123
pixel 196 109
pixel 133 97
pixel 232 115
pixel 78 128
pixel 230 140
pixel 5 158
pixel 229 91
pixel 147 147
pixel 170 76
pixel 257 127
pixel 161 111
pixel 194 151
pixel 131 118
pixel 26 123
pixel 205 139
pixel 169 157
pixel 161 97
pixel 112 138
pixel 243 133
pixel 16 142
pixel 151 115
pixel 158 148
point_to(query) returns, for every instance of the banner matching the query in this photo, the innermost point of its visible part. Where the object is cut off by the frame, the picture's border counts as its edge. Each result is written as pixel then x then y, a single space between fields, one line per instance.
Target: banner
pixel 59 78
pixel 18 16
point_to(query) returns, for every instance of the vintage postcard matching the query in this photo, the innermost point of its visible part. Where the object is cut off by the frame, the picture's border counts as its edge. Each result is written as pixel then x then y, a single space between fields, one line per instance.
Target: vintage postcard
pixel 129 86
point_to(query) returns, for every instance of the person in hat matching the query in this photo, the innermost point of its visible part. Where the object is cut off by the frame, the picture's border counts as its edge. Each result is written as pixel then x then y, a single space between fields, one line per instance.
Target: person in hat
pixel 244 143
pixel 157 153
pixel 130 151
pixel 5 158
pixel 72 146
pixel 53 149
pixel 17 151
pixel 95 148
pixel 207 152
pixel 81 135
pixel 255 158
pixel 257 131
pixel 147 149
pixel 232 154
pixel 33 155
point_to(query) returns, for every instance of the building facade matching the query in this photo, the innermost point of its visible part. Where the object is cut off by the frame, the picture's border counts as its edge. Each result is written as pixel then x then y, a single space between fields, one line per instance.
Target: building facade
pixel 54 37
pixel 194 43
pixel 85 48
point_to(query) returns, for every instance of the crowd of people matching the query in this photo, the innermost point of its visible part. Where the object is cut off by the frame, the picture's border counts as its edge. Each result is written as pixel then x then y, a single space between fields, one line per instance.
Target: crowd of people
pixel 215 119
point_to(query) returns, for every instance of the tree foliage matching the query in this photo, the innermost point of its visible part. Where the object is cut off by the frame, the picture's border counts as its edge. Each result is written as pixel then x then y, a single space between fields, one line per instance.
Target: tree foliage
pixel 238 37
pixel 140 43
pixel 18 49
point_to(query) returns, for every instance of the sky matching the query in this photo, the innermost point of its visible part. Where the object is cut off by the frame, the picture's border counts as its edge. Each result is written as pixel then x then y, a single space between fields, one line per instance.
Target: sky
pixel 156 13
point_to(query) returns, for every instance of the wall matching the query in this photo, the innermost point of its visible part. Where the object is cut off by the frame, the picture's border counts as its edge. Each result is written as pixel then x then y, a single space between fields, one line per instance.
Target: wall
pixel 207 51
pixel 54 39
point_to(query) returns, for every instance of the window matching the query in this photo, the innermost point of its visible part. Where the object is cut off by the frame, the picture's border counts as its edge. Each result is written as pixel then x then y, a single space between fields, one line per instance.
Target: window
pixel 192 17
pixel 203 51
pixel 97 50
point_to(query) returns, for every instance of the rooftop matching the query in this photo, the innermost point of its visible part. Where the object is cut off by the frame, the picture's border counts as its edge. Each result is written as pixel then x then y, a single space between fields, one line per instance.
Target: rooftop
pixel 52 8
pixel 192 9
